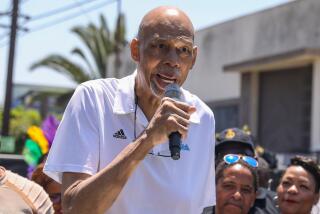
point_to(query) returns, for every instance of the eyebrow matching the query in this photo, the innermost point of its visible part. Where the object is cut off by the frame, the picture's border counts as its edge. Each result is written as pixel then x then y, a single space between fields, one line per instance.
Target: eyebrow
pixel 182 39
pixel 248 186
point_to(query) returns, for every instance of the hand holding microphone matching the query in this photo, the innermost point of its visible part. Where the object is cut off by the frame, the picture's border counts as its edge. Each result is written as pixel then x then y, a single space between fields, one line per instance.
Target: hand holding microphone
pixel 170 121
pixel 173 91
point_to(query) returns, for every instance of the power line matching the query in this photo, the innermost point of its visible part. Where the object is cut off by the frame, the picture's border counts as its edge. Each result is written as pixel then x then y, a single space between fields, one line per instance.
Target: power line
pixel 81 9
pixel 53 12
pixel 66 18
pixel 61 20
pixel 60 10
pixel 6 42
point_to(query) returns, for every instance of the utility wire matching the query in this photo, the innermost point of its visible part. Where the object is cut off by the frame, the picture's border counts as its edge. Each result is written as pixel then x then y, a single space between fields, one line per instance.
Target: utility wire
pixel 63 19
pixel 66 18
pixel 59 10
pixel 52 12
pixel 7 38
pixel 81 8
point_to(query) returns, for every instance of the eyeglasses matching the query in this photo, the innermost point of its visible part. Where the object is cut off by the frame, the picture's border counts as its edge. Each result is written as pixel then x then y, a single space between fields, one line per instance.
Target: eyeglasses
pixel 158 154
pixel 232 158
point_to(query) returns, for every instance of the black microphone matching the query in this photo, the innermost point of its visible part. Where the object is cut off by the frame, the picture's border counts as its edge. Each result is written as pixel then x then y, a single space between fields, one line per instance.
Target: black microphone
pixel 173 91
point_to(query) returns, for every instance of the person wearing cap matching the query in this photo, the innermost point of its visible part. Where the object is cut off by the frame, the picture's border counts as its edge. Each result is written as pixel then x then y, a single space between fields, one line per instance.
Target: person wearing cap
pixel 236 185
pixel 238 141
pixel 233 141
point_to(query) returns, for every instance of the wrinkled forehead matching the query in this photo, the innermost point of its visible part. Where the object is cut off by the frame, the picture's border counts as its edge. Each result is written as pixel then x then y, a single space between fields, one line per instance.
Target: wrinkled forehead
pixel 239 174
pixel 166 26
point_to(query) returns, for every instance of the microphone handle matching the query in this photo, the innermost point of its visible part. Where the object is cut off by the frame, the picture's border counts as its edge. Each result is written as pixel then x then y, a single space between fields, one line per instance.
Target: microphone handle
pixel 175 145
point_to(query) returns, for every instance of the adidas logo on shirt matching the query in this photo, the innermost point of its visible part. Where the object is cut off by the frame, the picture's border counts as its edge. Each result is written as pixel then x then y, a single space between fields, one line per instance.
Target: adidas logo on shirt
pixel 120 134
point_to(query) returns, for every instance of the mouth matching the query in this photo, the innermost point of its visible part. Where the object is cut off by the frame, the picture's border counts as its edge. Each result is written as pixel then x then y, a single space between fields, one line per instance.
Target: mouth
pixel 290 201
pixel 234 205
pixel 163 80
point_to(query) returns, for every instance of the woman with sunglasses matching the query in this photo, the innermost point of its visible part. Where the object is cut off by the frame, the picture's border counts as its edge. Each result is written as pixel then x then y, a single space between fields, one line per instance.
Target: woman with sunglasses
pixel 299 186
pixel 236 185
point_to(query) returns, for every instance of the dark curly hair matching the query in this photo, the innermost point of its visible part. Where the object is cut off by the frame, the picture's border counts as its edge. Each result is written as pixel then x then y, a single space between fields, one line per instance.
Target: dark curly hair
pixel 222 166
pixel 310 166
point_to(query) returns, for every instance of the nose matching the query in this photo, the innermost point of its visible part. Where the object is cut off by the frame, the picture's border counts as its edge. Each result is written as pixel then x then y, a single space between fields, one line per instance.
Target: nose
pixel 172 59
pixel 293 189
pixel 237 195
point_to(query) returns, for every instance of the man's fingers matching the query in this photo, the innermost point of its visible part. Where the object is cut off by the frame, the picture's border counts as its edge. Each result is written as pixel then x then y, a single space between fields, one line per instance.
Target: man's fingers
pixel 178 124
pixel 177 107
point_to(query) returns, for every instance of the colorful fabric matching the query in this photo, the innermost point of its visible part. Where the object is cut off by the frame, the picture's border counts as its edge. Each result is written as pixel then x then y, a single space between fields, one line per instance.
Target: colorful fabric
pixel 49 127
pixel 31 152
pixel 36 134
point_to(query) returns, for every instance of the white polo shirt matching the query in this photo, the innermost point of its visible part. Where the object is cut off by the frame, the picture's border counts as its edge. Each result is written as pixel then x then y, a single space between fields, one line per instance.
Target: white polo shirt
pixel 98 124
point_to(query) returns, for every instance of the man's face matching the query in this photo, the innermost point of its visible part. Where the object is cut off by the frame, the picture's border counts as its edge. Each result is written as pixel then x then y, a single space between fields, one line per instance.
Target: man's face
pixel 166 54
pixel 235 191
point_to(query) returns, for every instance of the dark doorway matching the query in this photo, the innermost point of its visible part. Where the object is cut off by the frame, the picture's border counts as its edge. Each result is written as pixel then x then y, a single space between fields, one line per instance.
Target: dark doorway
pixel 285 109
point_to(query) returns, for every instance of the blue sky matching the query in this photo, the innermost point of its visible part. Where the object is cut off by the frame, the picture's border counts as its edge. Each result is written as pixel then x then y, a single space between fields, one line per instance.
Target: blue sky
pixel 35 45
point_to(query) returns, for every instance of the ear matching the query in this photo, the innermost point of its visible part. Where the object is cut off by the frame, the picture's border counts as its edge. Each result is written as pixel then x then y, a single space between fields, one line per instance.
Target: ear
pixel 134 48
pixel 194 55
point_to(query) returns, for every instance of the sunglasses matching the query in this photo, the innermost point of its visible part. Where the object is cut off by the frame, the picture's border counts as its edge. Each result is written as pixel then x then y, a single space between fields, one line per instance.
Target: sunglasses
pixel 232 158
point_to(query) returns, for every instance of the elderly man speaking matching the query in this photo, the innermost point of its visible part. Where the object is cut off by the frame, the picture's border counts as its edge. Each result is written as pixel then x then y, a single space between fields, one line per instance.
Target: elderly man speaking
pixel 111 150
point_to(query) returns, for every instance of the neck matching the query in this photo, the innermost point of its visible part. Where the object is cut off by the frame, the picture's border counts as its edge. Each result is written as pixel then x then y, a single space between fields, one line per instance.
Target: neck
pixel 148 106
pixel 147 102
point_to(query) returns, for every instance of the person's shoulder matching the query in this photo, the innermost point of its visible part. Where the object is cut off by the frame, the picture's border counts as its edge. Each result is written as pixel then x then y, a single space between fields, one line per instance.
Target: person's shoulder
pixel 193 99
pixel 33 191
pixel 257 210
pixel 99 84
pixel 209 210
pixel 108 85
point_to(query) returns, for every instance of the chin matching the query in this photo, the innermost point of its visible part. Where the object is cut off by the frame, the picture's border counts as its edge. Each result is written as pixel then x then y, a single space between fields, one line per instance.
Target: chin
pixel 288 209
pixel 156 91
pixel 233 210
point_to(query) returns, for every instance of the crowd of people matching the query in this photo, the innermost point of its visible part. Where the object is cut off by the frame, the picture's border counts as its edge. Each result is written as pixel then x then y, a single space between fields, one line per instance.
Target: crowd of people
pixel 243 180
pixel 111 153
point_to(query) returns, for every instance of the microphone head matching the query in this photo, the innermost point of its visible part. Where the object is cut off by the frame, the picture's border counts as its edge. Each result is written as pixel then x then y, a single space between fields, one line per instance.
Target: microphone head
pixel 173 91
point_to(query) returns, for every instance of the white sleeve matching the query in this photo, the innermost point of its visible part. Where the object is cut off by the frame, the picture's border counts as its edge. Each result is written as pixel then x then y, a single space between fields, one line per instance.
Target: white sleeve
pixel 76 144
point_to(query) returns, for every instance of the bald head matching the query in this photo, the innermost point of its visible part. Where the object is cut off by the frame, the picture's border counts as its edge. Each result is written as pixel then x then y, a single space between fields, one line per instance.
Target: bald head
pixel 167 18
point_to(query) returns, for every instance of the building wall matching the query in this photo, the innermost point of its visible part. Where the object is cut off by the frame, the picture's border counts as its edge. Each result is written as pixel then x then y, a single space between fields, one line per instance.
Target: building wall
pixel 270 32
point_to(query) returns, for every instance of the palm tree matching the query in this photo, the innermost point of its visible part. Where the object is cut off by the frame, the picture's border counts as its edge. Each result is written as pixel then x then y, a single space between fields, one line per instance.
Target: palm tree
pixel 100 44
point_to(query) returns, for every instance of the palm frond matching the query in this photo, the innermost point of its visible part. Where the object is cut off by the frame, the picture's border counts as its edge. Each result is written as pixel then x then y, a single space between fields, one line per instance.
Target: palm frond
pixel 77 51
pixel 64 66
